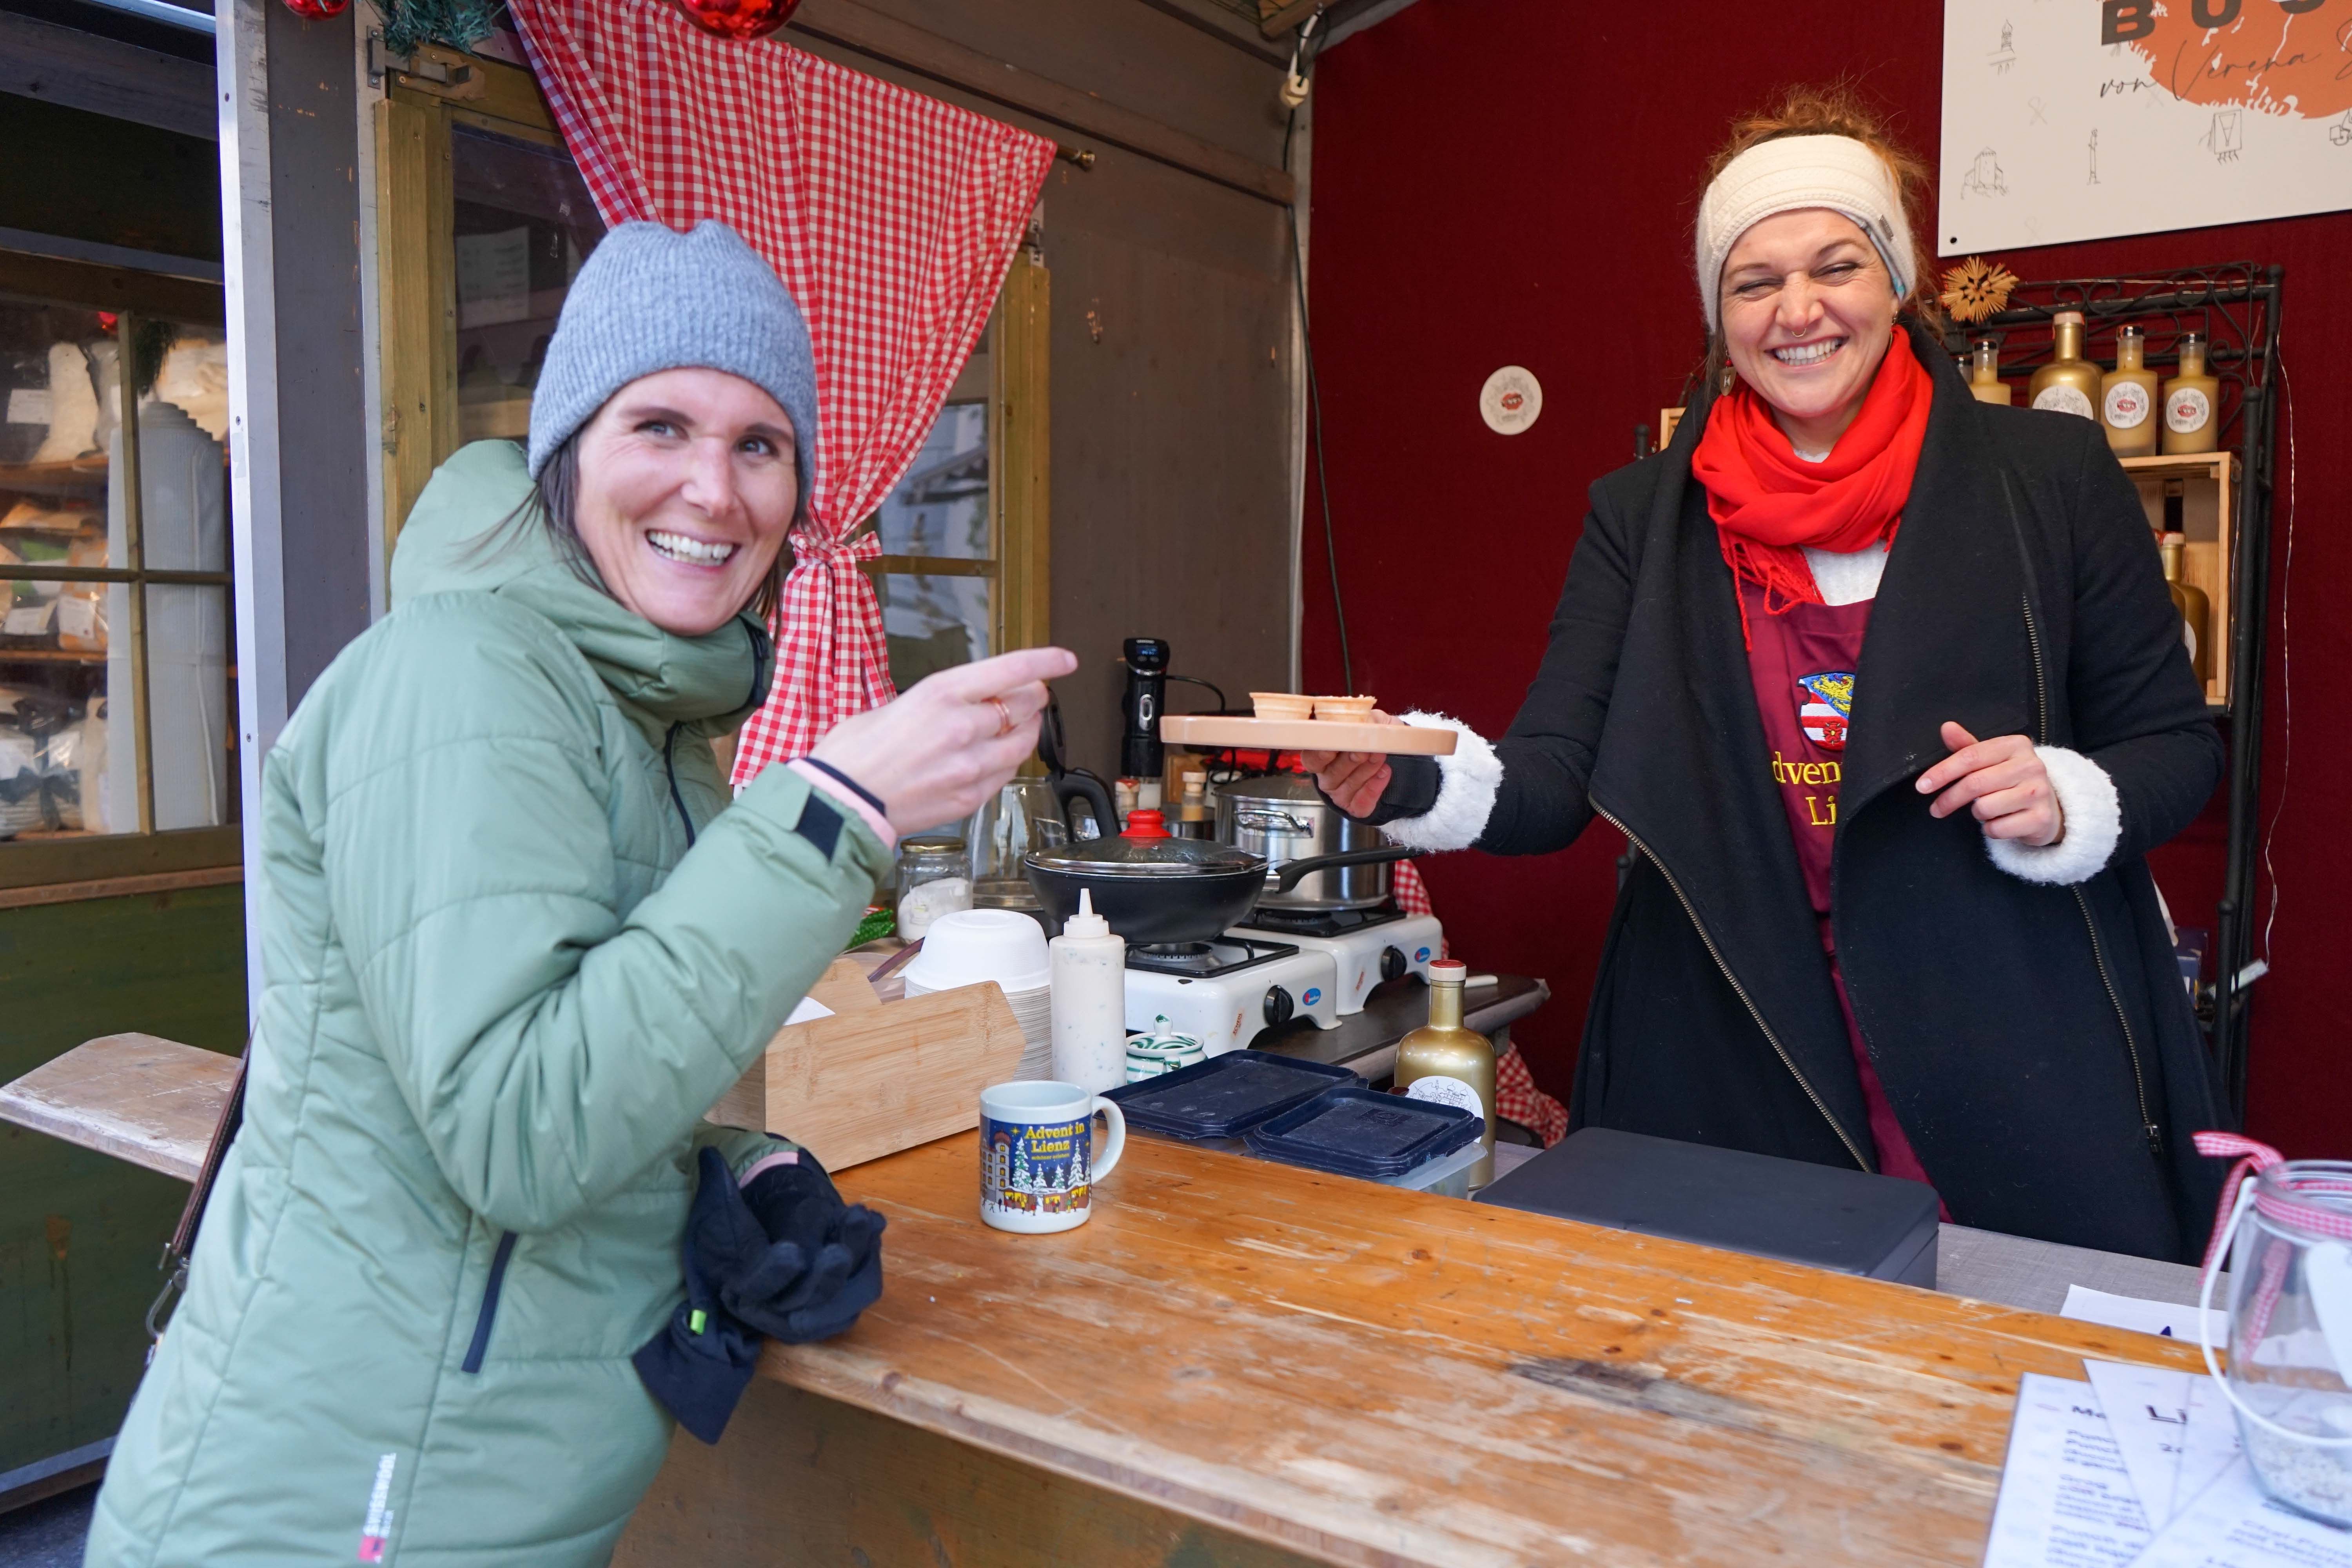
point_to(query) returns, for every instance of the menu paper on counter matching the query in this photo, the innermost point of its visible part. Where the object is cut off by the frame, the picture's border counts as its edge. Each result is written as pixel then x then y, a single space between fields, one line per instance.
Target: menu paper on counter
pixel 2173 1429
pixel 2066 1499
pixel 2233 1525
pixel 2159 1317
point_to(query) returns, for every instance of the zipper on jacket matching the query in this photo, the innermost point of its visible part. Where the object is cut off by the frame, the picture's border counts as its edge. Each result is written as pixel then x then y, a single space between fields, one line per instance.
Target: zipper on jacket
pixel 481 1344
pixel 1741 991
pixel 669 766
pixel 2147 1123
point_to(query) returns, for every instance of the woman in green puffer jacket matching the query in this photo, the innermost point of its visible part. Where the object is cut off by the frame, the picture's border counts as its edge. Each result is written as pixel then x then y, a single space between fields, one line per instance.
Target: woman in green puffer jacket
pixel 513 949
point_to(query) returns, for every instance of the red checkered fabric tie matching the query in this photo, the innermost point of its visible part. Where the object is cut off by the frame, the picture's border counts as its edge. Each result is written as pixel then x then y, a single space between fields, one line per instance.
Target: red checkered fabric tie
pixel 891 216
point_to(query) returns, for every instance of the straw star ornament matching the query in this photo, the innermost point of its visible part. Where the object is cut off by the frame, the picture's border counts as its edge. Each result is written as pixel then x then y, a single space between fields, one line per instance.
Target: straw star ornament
pixel 1973 290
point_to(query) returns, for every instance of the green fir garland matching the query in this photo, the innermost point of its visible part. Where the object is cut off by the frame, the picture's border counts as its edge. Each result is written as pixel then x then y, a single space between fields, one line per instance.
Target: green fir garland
pixel 409 25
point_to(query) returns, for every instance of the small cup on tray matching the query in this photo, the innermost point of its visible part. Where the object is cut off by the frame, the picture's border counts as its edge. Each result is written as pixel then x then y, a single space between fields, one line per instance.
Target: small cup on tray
pixel 1345 709
pixel 1281 705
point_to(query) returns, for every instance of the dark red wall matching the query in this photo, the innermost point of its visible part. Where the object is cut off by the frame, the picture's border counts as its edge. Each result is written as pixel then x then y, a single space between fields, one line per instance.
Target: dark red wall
pixel 1512 181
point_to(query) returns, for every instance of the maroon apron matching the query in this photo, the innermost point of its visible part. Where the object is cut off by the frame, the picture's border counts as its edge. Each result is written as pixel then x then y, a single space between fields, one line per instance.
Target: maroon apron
pixel 1803 663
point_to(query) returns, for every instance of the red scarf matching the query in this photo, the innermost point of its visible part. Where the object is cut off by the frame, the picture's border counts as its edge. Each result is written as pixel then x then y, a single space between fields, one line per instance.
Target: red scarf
pixel 1768 504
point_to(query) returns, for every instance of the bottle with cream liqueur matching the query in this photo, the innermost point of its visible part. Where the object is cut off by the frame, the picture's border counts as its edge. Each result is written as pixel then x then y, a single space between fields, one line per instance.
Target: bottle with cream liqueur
pixel 2196 609
pixel 1448 1063
pixel 2128 397
pixel 2190 399
pixel 2068 383
pixel 1984 372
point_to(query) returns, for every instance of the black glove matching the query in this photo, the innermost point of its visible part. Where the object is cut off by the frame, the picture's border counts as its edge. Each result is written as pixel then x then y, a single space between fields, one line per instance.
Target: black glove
pixel 822 1263
pixel 783 1257
pixel 701 1361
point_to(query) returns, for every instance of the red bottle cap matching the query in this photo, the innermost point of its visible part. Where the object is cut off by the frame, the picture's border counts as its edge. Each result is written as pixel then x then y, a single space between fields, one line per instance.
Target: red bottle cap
pixel 1146 825
pixel 1447 970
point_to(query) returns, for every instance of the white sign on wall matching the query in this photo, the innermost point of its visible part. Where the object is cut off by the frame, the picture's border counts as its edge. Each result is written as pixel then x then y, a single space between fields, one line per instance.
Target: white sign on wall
pixel 2068 120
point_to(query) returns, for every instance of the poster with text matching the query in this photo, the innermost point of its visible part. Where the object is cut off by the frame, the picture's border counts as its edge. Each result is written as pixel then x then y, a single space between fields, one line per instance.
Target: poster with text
pixel 2067 120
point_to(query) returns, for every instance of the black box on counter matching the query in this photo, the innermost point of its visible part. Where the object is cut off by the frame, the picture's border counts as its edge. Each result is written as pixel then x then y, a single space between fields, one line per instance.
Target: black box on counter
pixel 1879 1226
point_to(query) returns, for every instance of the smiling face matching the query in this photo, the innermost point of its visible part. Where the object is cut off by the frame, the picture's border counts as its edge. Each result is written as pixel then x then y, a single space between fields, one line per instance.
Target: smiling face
pixel 1807 312
pixel 689 483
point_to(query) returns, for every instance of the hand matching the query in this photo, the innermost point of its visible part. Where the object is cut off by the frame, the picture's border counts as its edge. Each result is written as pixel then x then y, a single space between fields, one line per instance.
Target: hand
pixel 943 746
pixel 2003 782
pixel 1353 779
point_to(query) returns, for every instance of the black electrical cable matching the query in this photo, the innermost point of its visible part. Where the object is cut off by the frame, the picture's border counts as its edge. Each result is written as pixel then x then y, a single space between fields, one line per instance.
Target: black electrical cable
pixel 1315 393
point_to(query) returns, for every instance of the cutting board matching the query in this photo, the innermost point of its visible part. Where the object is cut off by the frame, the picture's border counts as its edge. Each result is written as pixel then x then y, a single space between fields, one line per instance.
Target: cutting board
pixel 881 1076
pixel 1304 735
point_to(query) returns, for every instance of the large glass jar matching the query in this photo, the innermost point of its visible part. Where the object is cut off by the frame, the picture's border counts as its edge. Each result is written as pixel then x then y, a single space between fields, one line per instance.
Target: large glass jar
pixel 2291 1333
pixel 934 879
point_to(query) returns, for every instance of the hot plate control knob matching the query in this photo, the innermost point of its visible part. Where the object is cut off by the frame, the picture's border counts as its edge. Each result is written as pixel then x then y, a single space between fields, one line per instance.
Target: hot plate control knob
pixel 1278 1005
pixel 1392 965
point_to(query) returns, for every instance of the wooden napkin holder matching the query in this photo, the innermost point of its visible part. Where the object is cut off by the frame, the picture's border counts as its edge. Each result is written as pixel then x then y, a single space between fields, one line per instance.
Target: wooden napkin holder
pixel 878 1076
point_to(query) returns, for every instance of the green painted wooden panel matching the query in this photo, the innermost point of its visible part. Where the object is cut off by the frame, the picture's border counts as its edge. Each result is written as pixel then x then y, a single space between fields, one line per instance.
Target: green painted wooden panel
pixel 80 1232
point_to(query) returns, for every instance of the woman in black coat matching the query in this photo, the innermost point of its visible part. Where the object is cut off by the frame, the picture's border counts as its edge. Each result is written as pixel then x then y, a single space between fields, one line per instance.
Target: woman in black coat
pixel 1998 1012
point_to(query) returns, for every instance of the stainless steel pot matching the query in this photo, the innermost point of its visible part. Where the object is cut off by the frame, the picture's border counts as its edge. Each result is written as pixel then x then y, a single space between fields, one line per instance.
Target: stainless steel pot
pixel 1282 818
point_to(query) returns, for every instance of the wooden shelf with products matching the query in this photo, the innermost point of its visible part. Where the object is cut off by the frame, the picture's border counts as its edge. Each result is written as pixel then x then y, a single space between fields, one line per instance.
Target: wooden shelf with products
pixel 2206 515
pixel 50 656
pixel 76 476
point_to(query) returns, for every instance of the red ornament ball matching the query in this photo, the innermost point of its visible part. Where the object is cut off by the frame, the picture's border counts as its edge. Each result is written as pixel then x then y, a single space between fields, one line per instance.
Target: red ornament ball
pixel 318 10
pixel 734 18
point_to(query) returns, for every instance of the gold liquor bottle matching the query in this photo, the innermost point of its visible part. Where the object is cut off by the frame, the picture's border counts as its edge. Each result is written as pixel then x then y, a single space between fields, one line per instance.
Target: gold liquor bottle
pixel 2128 397
pixel 2068 383
pixel 1984 372
pixel 1459 1062
pixel 2195 610
pixel 2193 399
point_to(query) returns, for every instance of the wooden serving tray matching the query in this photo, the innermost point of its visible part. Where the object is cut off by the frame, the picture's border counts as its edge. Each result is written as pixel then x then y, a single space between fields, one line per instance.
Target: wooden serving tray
pixel 1304 735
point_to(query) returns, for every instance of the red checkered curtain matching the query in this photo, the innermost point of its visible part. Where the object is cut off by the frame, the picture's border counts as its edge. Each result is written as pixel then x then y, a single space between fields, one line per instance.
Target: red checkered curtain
pixel 891 217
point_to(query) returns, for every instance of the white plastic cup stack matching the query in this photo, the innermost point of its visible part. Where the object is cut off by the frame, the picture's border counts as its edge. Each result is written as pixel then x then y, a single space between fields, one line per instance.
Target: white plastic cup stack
pixel 969 946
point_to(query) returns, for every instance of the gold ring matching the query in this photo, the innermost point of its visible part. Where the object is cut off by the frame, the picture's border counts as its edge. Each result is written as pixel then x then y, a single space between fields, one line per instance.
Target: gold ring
pixel 1003 716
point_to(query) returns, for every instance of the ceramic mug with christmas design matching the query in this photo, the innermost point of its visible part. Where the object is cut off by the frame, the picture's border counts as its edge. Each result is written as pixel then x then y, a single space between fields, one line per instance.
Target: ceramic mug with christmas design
pixel 1037 1160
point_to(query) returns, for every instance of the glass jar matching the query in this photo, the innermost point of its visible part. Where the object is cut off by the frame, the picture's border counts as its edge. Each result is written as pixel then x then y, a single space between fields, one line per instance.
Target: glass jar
pixel 2291 1333
pixel 934 879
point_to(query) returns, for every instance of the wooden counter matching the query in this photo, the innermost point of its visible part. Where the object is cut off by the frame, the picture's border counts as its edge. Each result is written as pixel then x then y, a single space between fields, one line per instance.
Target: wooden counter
pixel 1244 1364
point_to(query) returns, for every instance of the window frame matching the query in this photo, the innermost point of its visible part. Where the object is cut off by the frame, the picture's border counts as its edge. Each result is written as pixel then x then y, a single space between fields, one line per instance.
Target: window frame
pixel 95 865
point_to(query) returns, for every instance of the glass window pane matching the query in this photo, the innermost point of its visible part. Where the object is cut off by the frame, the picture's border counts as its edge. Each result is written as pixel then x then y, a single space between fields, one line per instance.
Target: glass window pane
pixel 940 507
pixel 190 715
pixel 54 712
pixel 524 224
pixel 933 622
pixel 58 401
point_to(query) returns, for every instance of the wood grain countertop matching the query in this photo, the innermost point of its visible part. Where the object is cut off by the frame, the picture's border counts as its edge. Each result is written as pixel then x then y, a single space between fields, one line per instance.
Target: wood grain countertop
pixel 1363 1375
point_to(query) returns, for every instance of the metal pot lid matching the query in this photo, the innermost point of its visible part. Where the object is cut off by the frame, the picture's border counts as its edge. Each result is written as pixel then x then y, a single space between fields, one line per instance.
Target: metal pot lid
pixel 1287 787
pixel 1145 857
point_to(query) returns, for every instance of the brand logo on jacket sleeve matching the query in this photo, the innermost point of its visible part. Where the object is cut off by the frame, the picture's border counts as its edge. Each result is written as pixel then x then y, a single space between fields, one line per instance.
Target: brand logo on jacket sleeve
pixel 1825 703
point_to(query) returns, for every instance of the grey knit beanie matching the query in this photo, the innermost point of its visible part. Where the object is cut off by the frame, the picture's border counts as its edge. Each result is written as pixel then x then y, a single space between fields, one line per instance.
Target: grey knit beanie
pixel 650 299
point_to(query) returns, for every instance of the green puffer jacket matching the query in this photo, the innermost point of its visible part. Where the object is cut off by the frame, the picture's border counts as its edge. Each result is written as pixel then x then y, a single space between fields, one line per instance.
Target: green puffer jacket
pixel 504 978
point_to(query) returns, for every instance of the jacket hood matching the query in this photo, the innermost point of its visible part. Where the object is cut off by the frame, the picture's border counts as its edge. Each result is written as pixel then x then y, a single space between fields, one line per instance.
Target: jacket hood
pixel 451 542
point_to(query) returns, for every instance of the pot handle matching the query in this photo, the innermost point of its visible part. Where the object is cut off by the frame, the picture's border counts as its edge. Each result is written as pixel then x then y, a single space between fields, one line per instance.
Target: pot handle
pixel 1086 786
pixel 1293 871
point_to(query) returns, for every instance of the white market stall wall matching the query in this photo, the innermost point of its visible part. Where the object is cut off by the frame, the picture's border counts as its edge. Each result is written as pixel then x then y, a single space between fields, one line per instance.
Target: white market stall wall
pixel 2050 133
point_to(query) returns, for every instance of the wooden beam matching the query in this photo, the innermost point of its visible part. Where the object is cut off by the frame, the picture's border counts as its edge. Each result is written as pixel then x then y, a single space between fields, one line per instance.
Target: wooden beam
pixel 925 54
pixel 1023 485
pixel 1280 19
pixel 120 887
pixel 83 71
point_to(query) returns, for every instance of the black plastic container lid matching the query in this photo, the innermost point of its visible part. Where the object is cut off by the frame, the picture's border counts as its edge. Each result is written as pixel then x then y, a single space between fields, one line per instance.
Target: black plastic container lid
pixel 1363 1133
pixel 1225 1096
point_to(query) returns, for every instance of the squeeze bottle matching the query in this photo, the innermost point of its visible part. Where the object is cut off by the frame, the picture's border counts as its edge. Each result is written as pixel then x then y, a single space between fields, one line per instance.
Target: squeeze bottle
pixel 1088 964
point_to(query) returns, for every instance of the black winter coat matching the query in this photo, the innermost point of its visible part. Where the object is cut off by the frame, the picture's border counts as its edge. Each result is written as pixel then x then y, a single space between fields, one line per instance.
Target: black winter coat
pixel 2035 1041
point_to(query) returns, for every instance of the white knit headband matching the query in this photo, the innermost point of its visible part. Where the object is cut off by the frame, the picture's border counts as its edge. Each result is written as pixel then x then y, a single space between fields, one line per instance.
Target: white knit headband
pixel 1788 174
